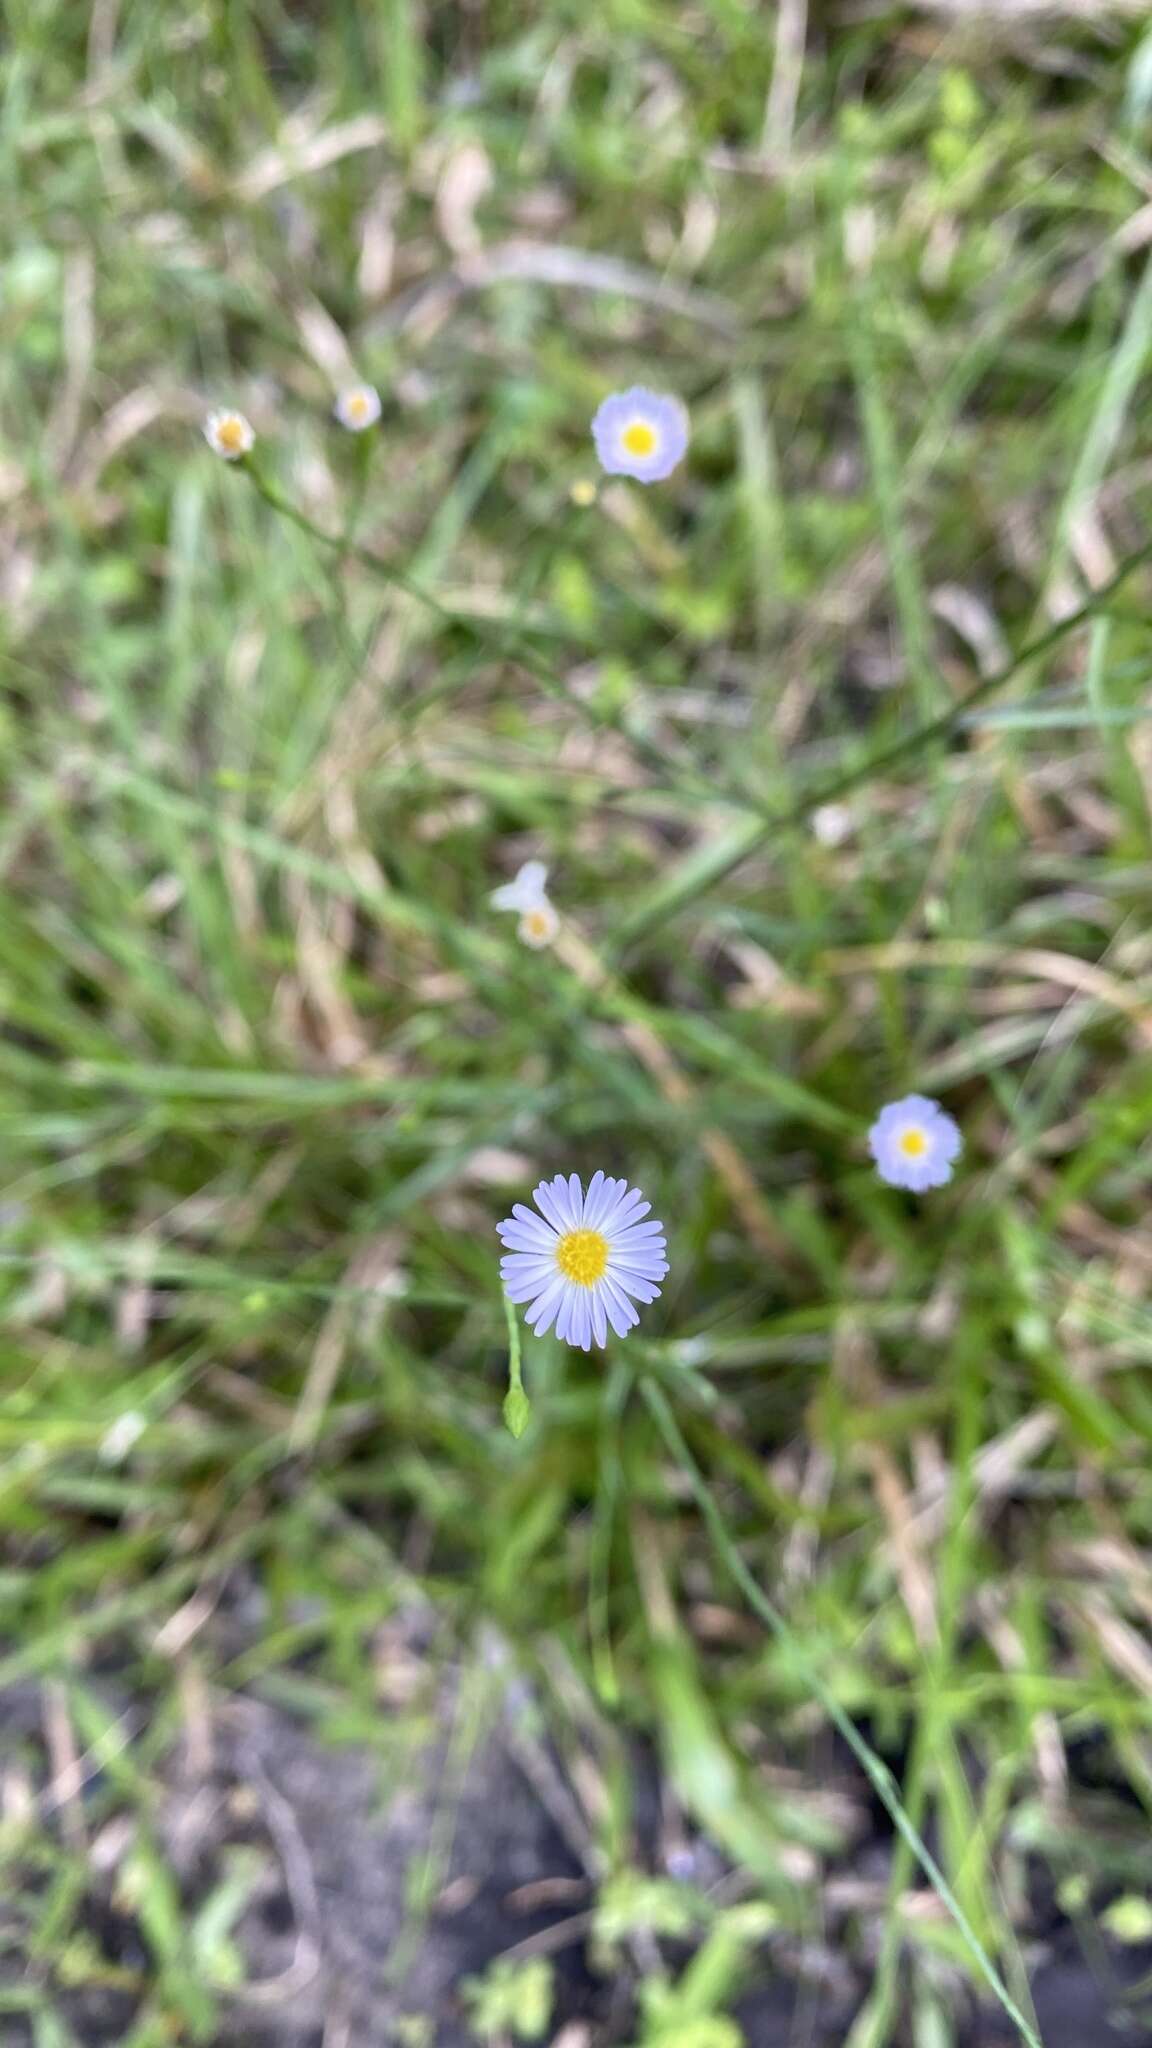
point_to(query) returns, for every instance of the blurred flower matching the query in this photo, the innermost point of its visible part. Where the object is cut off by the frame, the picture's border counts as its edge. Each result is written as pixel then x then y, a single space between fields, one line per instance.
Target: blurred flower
pixel 915 1144
pixel 539 921
pixel 583 492
pixel 229 434
pixel 539 925
pixel 640 433
pixel 358 407
pixel 584 1260
pixel 832 824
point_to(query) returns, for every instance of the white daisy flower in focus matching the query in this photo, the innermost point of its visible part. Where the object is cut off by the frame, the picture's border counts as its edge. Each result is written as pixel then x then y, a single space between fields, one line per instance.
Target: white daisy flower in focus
pixel 641 434
pixel 358 407
pixel 585 1260
pixel 527 893
pixel 229 434
pixel 915 1144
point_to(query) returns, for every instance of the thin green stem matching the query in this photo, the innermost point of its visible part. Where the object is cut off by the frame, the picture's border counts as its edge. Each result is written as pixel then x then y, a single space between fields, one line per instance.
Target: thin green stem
pixel 517 1406
pixel 878 1774
pixel 932 732
pixel 507 643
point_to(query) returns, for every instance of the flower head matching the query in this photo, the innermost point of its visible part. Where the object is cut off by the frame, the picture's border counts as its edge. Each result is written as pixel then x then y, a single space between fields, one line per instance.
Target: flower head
pixel 640 433
pixel 584 1260
pixel 539 919
pixel 539 925
pixel 229 434
pixel 915 1144
pixel 358 407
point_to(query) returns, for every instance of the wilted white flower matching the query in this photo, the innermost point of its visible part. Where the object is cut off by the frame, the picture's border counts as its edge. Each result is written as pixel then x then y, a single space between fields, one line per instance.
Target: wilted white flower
pixel 526 889
pixel 229 434
pixel 641 434
pixel 526 892
pixel 915 1144
pixel 358 407
pixel 584 1260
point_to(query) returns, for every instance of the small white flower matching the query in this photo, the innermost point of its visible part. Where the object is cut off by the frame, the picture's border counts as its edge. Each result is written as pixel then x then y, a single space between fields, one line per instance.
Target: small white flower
pixel 358 407
pixel 641 434
pixel 525 890
pixel 229 434
pixel 584 1260
pixel 832 824
pixel 539 925
pixel 915 1144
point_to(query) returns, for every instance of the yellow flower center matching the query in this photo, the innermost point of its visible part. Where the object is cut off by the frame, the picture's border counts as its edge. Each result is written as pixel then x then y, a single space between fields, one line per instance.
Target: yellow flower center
pixel 357 405
pixel 639 438
pixel 230 434
pixel 913 1143
pixel 582 1256
pixel 537 924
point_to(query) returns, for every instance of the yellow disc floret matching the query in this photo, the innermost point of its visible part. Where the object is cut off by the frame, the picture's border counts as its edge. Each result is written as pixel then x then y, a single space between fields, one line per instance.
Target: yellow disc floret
pixel 639 438
pixel 582 1256
pixel 913 1142
pixel 232 434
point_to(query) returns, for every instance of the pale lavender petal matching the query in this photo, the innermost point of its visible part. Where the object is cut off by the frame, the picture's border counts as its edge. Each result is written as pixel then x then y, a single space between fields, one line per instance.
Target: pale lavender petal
pixel 524 1237
pixel 530 1219
pixel 599 1323
pixel 635 1288
pixel 552 1198
pixel 527 1265
pixel 524 1286
pixel 542 1313
pixel 627 1270
pixel 618 1308
pixel 580 1321
pixel 594 1200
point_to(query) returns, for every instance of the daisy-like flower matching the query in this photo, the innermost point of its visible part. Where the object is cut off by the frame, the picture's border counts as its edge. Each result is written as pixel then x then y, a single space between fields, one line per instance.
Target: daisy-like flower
pixel 585 1260
pixel 539 925
pixel 915 1144
pixel 640 433
pixel 358 407
pixel 229 434
pixel 526 892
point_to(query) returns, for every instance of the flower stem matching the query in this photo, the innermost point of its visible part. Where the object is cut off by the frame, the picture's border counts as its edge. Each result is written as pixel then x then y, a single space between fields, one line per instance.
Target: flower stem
pixel 517 1406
